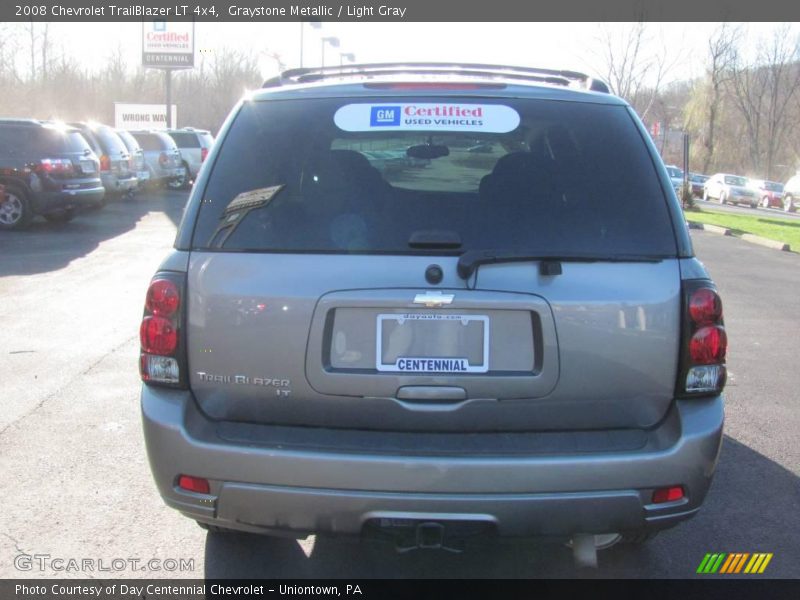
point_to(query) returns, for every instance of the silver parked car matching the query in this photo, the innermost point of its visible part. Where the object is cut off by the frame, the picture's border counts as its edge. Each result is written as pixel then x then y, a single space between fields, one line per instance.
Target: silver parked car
pixel 730 188
pixel 161 156
pixel 115 168
pixel 138 164
pixel 194 145
pixel 518 343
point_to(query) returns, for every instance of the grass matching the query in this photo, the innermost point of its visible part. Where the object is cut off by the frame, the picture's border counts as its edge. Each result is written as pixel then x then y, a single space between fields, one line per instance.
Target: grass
pixel 780 229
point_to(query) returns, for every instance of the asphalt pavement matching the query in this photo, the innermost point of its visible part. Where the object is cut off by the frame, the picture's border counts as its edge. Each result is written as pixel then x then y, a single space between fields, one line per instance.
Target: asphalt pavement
pixel 77 484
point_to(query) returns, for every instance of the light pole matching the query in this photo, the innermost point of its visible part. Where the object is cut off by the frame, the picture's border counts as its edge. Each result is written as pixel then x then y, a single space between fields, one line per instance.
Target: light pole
pixel 346 55
pixel 333 41
pixel 314 25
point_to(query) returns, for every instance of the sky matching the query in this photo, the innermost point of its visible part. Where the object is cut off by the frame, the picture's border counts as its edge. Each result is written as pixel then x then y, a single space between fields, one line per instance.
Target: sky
pixel 572 46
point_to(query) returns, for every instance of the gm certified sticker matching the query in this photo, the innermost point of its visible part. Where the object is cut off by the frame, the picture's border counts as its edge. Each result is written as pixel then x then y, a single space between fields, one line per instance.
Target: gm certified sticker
pixel 442 116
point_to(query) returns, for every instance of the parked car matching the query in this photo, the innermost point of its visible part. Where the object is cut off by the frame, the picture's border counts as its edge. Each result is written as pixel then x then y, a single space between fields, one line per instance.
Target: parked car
pixel 115 167
pixel 770 193
pixel 729 188
pixel 193 145
pixel 676 177
pixel 161 155
pixel 137 162
pixel 791 193
pixel 525 346
pixel 697 181
pixel 45 169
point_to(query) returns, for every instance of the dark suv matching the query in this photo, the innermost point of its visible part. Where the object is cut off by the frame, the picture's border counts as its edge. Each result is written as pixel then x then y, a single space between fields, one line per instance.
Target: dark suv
pixel 517 340
pixel 46 169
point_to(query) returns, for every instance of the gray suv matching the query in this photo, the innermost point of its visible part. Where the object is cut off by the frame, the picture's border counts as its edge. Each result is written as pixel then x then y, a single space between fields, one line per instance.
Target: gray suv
pixel 194 145
pixel 518 341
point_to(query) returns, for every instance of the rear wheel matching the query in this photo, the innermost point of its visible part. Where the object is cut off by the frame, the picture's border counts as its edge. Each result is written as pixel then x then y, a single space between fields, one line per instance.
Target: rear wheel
pixel 62 216
pixel 705 195
pixel 788 203
pixel 765 202
pixel 15 208
pixel 723 198
pixel 754 204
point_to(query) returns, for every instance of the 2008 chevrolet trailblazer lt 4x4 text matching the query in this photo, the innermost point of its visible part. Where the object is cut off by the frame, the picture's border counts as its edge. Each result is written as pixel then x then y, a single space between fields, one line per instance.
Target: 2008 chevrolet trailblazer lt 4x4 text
pixel 434 300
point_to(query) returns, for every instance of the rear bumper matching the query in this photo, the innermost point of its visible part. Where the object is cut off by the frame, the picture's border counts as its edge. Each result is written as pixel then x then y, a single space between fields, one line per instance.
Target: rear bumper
pixel 263 487
pixel 114 183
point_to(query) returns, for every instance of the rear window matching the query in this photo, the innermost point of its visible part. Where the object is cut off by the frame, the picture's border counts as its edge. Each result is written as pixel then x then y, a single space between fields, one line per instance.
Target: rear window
pixel 56 140
pixel 206 139
pixel 562 178
pixel 130 142
pixel 185 140
pixel 154 141
pixel 109 140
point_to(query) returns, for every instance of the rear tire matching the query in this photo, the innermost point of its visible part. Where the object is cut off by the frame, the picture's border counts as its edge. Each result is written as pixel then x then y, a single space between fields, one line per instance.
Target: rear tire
pixel 765 202
pixel 62 216
pixel 788 203
pixel 723 198
pixel 15 209
pixel 705 195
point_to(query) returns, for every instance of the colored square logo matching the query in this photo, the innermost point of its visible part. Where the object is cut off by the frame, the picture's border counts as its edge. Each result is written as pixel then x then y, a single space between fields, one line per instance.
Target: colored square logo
pixel 384 116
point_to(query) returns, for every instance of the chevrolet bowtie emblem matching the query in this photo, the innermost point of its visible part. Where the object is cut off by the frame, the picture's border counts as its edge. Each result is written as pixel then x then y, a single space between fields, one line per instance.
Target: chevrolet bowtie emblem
pixel 434 299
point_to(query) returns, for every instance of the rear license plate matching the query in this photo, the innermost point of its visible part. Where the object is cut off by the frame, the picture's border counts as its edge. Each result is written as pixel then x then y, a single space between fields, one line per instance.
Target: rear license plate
pixel 432 343
pixel 87 166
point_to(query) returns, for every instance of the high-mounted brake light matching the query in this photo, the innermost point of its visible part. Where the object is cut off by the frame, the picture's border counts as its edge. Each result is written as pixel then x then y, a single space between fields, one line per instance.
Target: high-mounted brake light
pixel 704 342
pixel 162 358
pixel 105 163
pixel 433 85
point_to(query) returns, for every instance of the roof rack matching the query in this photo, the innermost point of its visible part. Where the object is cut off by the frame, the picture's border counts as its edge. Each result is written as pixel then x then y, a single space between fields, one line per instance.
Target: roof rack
pixel 554 77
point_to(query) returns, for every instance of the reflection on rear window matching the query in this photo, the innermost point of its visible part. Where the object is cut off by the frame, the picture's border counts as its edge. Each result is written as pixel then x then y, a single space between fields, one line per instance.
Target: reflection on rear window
pixel 730 180
pixel 571 178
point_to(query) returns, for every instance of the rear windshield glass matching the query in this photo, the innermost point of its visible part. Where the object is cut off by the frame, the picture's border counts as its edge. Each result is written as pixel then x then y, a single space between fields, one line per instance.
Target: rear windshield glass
pixel 109 140
pixel 185 140
pixel 130 142
pixel 773 187
pixel 55 140
pixel 526 175
pixel 154 141
pixel 207 139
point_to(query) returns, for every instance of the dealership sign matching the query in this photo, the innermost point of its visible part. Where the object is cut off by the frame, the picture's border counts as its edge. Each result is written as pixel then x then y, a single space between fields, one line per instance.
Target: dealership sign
pixel 142 116
pixel 167 44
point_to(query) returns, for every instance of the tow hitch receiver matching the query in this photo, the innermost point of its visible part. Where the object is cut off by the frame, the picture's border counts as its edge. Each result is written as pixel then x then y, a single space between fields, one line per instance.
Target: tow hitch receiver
pixel 421 534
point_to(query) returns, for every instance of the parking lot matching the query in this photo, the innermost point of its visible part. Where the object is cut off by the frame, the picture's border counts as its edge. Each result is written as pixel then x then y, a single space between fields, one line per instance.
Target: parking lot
pixel 76 476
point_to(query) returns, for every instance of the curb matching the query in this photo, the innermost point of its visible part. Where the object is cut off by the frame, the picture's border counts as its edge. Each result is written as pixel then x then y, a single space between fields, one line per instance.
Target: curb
pixel 754 239
pixel 747 237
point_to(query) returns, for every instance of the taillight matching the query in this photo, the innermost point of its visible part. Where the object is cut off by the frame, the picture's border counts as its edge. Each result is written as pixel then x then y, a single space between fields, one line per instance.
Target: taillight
pixel 704 341
pixel 163 356
pixel 56 165
pixel 105 163
pixel 203 154
pixel 163 159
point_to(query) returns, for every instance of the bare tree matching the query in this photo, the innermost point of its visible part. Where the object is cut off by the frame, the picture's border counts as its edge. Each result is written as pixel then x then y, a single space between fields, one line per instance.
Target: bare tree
pixel 764 92
pixel 722 50
pixel 636 63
